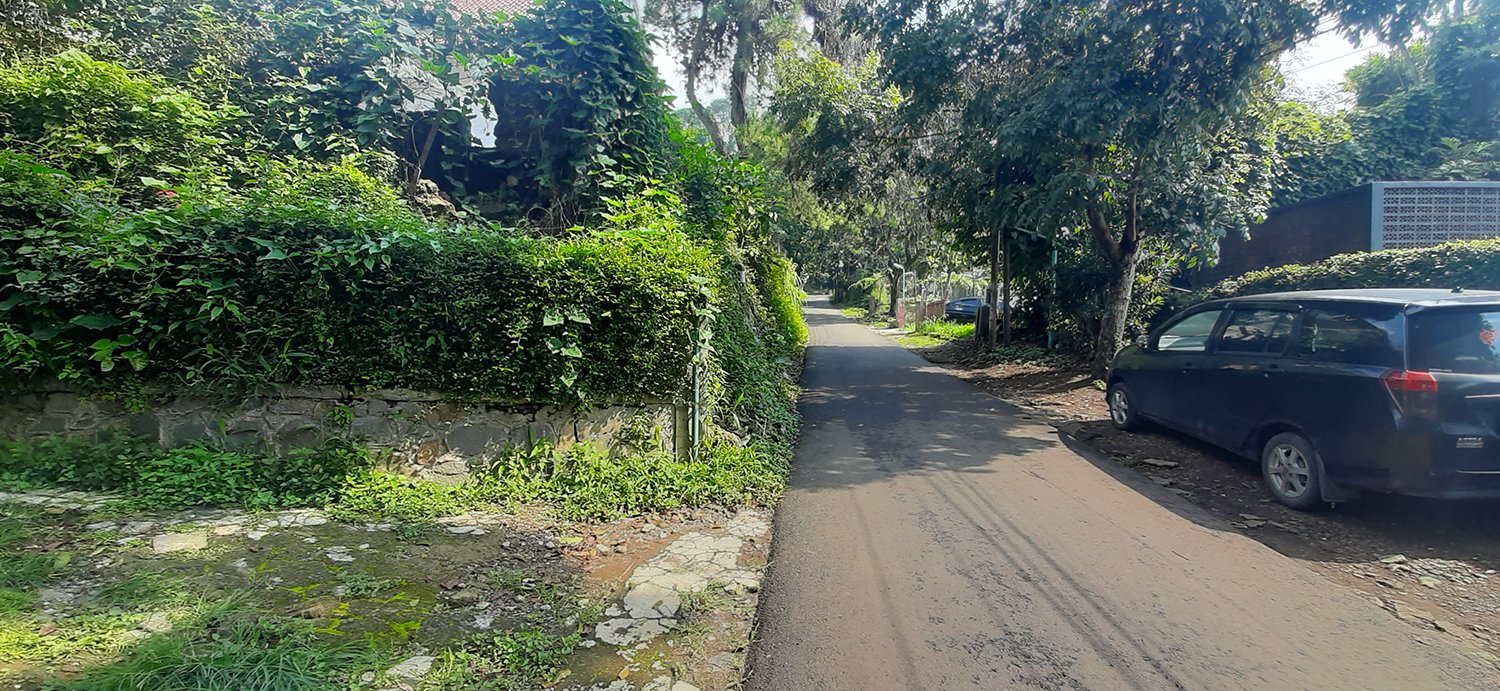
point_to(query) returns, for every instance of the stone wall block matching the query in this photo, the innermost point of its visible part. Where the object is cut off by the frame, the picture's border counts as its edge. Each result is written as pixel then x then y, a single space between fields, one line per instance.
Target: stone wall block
pixel 410 431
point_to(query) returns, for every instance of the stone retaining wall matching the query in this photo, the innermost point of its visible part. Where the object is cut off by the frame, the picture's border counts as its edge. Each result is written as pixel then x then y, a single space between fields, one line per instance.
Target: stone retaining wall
pixel 422 433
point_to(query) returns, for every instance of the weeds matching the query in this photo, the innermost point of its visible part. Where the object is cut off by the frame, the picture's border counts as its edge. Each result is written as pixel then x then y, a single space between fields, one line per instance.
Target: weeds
pixel 234 652
pixel 191 475
pixel 361 584
pixel 504 662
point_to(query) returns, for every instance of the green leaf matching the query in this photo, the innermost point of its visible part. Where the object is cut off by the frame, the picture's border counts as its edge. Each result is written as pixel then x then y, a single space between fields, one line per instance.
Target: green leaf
pixel 96 321
pixel 572 351
pixel 153 182
pixel 552 319
pixel 29 277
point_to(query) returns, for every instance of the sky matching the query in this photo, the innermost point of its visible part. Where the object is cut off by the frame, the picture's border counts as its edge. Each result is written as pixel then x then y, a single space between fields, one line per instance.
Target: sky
pixel 1316 68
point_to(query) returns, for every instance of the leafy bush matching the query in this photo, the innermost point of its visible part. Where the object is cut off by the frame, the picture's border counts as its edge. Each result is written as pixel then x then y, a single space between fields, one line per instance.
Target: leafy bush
pixel 1473 264
pixel 945 330
pixel 186 476
pixel 96 119
pixel 778 286
pixel 581 482
pixel 280 285
pixel 504 662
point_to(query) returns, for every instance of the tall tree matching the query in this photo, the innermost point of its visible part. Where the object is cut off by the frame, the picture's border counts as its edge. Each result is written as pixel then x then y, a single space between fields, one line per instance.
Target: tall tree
pixel 731 39
pixel 1124 119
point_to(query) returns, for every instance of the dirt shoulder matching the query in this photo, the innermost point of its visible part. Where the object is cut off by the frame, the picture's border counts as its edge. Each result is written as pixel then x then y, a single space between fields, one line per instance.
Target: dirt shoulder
pixel 1432 564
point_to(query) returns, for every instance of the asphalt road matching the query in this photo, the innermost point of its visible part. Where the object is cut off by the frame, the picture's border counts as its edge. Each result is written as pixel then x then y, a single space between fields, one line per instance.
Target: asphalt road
pixel 934 538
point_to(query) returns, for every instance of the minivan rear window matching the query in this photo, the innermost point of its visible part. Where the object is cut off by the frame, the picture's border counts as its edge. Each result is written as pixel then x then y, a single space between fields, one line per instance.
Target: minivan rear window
pixel 1461 341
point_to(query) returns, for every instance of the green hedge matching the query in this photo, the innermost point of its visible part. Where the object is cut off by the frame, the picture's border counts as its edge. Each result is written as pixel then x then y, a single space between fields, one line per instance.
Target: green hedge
pixel 1474 265
pixel 275 285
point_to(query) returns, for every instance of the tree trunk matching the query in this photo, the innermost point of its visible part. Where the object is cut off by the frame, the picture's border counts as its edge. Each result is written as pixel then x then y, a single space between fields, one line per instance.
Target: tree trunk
pixel 693 64
pixel 1116 313
pixel 1005 282
pixel 895 291
pixel 739 73
pixel 992 291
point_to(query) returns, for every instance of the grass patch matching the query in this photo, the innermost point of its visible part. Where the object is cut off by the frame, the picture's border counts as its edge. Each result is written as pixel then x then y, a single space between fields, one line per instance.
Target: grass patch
pixel 193 475
pixel 23 570
pixel 859 313
pixel 919 341
pixel 362 584
pixel 945 330
pixel 581 482
pixel 234 652
pixel 516 661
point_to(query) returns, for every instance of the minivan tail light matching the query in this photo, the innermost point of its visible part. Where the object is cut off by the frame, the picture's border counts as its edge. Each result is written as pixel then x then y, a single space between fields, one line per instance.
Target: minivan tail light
pixel 1415 393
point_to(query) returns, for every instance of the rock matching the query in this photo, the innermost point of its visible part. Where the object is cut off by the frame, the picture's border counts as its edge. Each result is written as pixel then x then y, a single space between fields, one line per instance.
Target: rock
pixel 231 529
pixel 1254 523
pixel 256 534
pixel 1163 481
pixel 1251 517
pixel 367 678
pixel 179 542
pixel 412 668
pixel 156 622
pixel 652 601
pixel 1159 463
pixel 465 597
pixel 339 554
pixel 1393 559
pixel 1429 581
pixel 56 596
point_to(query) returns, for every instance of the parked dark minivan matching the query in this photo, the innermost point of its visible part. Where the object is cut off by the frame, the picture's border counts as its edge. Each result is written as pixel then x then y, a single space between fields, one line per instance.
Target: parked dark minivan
pixel 1334 391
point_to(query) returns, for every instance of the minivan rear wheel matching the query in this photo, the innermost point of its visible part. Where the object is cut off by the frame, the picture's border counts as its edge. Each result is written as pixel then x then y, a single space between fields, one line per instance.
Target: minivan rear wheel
pixel 1290 467
pixel 1122 410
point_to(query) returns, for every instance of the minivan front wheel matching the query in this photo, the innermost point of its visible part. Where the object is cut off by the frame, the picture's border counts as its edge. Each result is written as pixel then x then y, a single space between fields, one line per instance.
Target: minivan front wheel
pixel 1122 410
pixel 1290 467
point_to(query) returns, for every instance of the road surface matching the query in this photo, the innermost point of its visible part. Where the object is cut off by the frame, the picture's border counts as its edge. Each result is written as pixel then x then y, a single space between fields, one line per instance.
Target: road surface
pixel 934 538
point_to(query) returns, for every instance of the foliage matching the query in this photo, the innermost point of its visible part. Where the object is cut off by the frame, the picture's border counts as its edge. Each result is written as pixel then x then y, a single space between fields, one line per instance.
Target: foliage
pixel 185 476
pixel 285 284
pixel 1426 111
pixel 1472 265
pixel 871 212
pixel 712 35
pixel 511 661
pixel 582 103
pixel 324 79
pixel 234 652
pixel 580 482
pixel 98 120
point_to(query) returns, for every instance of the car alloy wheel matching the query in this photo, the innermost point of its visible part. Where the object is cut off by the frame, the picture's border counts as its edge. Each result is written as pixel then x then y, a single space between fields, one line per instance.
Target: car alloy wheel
pixel 1289 471
pixel 1119 406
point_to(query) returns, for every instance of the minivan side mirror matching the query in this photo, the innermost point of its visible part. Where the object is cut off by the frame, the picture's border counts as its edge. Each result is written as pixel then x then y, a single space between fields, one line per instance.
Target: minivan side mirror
pixel 1143 342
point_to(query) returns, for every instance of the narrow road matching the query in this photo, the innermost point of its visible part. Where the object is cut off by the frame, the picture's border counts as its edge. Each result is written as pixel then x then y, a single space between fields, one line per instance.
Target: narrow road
pixel 935 538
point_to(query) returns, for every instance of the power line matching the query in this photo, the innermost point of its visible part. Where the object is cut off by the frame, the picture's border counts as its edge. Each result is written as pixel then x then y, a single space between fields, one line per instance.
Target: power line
pixel 1336 59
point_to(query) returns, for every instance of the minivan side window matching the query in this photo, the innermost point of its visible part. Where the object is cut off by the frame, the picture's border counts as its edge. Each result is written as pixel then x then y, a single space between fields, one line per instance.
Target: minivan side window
pixel 1256 331
pixel 1190 334
pixel 1349 337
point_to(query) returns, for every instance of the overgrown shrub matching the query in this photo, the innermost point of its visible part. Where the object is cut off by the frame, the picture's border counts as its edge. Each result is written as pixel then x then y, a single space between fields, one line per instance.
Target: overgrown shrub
pixel 1472 264
pixel 98 120
pixel 191 475
pixel 581 482
pixel 278 285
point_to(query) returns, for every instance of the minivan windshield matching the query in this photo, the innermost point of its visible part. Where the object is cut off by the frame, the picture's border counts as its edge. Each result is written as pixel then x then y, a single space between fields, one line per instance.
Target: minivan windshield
pixel 1461 341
